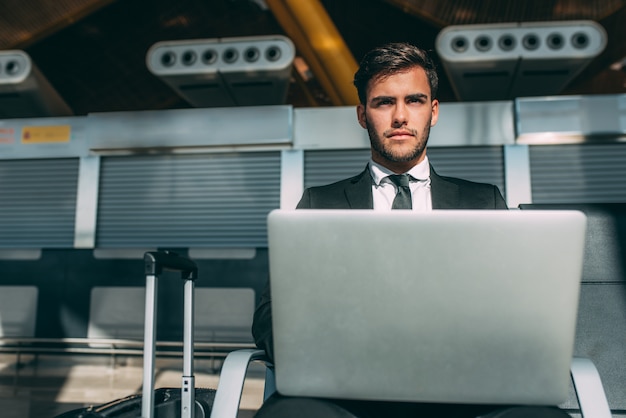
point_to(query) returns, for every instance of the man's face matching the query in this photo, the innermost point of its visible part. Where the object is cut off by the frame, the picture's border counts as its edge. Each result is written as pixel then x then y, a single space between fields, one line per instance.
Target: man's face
pixel 398 115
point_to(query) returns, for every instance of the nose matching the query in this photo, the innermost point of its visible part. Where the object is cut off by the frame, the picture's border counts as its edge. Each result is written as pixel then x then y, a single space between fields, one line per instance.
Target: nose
pixel 399 115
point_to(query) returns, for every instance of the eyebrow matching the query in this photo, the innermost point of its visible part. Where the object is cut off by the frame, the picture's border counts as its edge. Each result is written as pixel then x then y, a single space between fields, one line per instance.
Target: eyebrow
pixel 410 96
pixel 417 96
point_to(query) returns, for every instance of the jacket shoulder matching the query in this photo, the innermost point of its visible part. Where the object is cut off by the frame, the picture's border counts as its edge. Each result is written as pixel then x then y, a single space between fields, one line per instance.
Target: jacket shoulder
pixel 333 195
pixel 467 183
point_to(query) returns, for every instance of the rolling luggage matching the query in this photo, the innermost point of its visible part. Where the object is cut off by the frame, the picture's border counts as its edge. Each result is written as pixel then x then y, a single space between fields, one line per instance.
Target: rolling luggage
pixel 164 402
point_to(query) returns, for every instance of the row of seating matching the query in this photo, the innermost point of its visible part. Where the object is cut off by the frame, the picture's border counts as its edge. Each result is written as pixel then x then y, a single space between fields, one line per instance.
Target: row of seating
pixel 116 322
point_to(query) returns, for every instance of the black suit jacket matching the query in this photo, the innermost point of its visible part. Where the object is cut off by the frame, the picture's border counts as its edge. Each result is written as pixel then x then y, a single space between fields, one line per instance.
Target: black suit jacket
pixel 356 193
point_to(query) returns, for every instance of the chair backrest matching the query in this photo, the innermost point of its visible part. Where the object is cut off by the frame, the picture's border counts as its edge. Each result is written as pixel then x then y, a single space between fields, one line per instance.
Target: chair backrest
pixel 601 324
pixel 18 311
pixel 224 314
pixel 605 244
pixel 117 312
pixel 221 314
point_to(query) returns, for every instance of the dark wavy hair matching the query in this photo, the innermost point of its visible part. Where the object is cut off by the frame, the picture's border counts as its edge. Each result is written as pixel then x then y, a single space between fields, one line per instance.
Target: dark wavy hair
pixel 392 58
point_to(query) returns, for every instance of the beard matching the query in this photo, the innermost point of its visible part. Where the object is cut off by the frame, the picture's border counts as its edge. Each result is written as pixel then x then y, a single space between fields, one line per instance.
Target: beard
pixel 395 155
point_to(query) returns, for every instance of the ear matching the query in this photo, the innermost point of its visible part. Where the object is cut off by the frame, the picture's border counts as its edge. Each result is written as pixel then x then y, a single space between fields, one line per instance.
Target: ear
pixel 434 112
pixel 360 114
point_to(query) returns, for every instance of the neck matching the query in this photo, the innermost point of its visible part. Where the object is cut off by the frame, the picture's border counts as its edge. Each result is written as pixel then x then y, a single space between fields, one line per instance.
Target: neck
pixel 398 167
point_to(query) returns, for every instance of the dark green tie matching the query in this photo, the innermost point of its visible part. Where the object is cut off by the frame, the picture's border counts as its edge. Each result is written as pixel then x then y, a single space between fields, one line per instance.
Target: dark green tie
pixel 403 192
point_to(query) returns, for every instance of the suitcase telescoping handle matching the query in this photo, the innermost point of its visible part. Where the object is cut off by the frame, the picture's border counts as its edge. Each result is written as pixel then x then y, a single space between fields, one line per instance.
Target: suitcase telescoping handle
pixel 155 263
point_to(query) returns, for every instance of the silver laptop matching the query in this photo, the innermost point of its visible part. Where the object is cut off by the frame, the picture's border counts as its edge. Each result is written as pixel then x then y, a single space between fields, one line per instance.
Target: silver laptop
pixel 445 306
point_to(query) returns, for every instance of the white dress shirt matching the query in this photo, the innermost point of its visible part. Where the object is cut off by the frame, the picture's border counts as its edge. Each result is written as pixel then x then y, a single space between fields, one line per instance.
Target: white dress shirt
pixel 384 191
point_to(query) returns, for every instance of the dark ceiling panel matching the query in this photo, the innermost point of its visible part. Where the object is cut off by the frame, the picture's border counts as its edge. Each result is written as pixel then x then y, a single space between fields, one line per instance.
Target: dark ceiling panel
pixel 24 22
pixel 93 51
pixel 462 12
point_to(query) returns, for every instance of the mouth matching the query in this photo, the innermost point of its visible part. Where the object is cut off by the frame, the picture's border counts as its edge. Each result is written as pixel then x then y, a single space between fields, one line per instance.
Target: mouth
pixel 400 135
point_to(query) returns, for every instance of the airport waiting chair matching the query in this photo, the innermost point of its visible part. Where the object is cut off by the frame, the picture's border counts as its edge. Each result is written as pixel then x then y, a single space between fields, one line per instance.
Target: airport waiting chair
pixel 601 323
pixel 586 381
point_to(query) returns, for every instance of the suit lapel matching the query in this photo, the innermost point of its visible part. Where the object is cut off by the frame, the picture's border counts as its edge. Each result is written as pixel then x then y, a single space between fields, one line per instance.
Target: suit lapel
pixel 444 194
pixel 358 192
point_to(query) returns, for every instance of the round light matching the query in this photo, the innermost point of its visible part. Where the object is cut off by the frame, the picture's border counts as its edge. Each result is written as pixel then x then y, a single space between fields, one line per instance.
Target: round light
pixel 507 42
pixel 188 58
pixel 483 43
pixel 168 59
pixel 531 42
pixel 230 55
pixel 459 44
pixel 251 54
pixel 209 56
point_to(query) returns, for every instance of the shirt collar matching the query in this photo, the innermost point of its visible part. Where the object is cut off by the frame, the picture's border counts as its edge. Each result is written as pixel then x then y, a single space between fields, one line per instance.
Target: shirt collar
pixel 420 171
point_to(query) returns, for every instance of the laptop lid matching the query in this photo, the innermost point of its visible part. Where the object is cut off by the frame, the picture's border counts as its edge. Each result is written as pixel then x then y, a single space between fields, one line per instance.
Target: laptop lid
pixel 444 306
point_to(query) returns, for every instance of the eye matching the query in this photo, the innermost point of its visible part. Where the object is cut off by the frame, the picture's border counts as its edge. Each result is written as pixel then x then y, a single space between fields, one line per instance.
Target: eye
pixel 382 101
pixel 415 99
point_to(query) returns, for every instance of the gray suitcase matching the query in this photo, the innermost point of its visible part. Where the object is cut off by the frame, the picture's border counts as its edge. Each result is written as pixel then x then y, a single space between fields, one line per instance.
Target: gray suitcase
pixel 155 263
pixel 163 402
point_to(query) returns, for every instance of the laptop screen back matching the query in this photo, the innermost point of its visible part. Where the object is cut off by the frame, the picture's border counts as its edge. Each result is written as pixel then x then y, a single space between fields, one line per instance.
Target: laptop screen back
pixel 444 306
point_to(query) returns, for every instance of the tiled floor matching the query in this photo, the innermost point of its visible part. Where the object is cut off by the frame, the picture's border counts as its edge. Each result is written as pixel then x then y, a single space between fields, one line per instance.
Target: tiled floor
pixel 48 385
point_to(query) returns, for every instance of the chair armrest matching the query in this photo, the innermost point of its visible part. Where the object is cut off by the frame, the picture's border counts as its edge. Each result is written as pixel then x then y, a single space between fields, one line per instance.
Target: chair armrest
pixel 230 385
pixel 585 377
pixel 270 381
pixel 589 390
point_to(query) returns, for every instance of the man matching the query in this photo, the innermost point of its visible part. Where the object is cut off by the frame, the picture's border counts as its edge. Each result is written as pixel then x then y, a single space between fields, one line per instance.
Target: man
pixel 397 86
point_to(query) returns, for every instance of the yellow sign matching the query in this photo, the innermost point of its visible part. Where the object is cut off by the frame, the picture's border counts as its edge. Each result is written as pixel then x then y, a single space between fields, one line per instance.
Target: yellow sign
pixel 45 134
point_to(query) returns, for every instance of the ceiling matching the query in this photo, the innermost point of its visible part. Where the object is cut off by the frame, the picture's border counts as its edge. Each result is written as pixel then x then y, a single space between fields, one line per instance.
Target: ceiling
pixel 93 51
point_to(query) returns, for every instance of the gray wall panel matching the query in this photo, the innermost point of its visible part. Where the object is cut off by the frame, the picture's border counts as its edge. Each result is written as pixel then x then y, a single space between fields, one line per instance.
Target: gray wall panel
pixel 329 166
pixel 37 203
pixel 480 164
pixel 203 200
pixel 578 173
